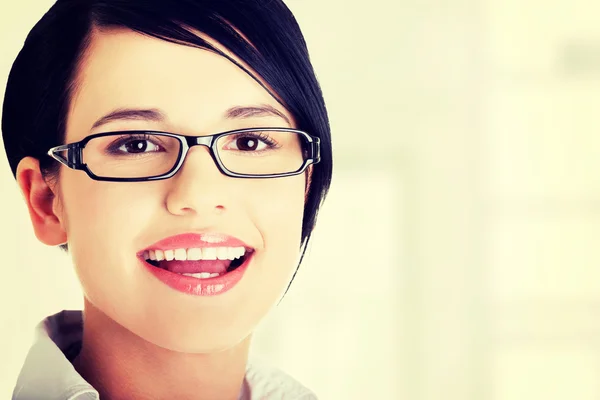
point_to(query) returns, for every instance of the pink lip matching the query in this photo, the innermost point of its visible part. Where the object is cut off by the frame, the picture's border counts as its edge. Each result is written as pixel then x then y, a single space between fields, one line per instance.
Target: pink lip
pixel 195 240
pixel 200 287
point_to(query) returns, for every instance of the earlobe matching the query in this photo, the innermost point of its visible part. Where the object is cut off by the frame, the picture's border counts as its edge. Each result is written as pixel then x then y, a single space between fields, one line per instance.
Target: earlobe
pixel 40 203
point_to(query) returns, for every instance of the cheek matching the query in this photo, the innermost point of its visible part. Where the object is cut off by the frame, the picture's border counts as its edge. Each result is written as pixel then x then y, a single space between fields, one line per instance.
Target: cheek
pixel 279 206
pixel 103 219
pixel 101 215
pixel 278 209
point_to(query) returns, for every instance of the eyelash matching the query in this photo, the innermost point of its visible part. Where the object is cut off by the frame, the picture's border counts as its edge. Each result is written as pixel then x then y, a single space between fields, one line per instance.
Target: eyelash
pixel 260 136
pixel 113 148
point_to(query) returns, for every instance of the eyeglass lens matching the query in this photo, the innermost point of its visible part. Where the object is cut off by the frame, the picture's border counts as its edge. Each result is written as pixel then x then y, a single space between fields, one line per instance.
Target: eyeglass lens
pixel 139 155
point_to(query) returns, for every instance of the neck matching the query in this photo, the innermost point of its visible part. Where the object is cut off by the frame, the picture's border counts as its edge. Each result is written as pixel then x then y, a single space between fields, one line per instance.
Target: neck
pixel 122 365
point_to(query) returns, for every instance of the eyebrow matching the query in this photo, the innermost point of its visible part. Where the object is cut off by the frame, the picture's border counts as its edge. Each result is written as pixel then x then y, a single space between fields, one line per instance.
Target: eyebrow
pixel 264 110
pixel 129 114
pixel 155 115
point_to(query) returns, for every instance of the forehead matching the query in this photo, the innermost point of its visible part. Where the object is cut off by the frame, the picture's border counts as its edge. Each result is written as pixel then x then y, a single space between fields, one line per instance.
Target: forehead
pixel 193 87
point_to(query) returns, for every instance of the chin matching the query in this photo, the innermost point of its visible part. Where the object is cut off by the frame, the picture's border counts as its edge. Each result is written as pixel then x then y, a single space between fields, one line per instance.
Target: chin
pixel 201 337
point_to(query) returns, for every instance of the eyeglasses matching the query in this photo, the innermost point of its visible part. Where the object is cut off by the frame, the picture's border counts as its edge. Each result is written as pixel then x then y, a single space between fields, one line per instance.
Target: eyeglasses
pixel 134 156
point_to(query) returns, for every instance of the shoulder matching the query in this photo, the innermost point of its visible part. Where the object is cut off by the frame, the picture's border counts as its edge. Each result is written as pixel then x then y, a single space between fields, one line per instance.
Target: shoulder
pixel 266 382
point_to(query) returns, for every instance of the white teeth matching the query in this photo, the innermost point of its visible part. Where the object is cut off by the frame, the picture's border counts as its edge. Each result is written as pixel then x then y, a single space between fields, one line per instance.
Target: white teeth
pixel 222 253
pixel 180 255
pixel 209 253
pixel 236 252
pixel 202 275
pixel 241 252
pixel 194 254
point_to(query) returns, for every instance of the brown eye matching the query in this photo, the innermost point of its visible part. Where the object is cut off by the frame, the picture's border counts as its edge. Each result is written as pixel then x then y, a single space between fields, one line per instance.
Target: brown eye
pixel 251 142
pixel 136 146
pixel 247 143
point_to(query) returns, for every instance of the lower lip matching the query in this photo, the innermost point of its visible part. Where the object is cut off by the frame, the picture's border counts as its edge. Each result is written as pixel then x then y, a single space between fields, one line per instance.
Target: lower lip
pixel 200 287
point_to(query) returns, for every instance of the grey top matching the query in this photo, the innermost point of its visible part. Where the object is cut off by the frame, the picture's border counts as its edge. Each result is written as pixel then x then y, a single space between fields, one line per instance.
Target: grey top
pixel 48 374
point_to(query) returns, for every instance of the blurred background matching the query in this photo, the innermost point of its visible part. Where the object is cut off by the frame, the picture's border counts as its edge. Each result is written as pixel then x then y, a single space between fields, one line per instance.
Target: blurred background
pixel 454 258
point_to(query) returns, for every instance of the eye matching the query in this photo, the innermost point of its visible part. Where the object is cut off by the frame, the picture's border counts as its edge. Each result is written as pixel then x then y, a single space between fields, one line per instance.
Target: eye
pixel 248 143
pixel 133 144
pixel 138 146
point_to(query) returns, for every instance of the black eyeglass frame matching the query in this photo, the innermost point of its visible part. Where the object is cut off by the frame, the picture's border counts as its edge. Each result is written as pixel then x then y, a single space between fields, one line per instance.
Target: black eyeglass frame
pixel 74 159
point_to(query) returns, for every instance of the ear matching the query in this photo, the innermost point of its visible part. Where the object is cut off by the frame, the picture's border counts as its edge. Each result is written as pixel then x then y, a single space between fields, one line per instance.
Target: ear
pixel 40 201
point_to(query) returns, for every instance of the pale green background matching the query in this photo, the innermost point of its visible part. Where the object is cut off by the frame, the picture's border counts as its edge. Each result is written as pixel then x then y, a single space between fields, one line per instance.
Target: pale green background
pixel 457 257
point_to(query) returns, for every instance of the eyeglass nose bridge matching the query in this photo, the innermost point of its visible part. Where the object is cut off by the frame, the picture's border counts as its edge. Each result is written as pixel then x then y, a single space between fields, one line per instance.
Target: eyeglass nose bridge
pixel 207 141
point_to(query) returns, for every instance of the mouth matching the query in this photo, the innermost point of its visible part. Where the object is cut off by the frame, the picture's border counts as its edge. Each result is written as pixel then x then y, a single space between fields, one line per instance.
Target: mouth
pixel 199 263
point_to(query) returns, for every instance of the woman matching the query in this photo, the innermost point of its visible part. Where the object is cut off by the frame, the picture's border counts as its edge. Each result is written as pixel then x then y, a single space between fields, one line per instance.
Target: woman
pixel 179 151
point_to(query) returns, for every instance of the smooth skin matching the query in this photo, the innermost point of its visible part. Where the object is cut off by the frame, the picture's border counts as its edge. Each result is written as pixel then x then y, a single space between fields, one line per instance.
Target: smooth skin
pixel 143 339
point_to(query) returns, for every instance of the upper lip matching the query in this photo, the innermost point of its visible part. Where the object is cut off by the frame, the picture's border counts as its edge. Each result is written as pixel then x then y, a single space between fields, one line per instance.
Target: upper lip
pixel 196 240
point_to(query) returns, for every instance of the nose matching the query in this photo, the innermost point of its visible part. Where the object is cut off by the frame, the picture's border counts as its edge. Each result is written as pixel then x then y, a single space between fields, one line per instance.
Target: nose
pixel 198 187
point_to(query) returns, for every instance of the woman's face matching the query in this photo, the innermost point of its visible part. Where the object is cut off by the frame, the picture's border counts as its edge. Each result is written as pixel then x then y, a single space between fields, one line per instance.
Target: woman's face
pixel 108 223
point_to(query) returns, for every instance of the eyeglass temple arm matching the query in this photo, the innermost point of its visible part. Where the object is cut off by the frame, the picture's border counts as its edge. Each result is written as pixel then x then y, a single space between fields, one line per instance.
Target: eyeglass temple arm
pixel 316 148
pixel 73 159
